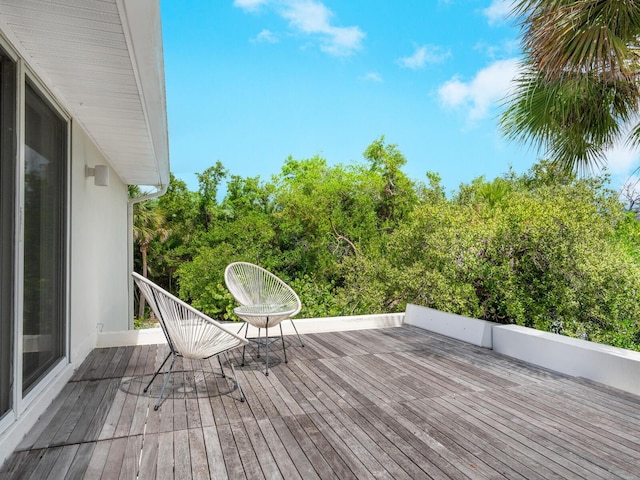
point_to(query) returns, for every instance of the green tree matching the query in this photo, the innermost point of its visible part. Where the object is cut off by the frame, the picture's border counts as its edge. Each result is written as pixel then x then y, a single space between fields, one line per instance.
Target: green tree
pixel 325 214
pixel 579 81
pixel 426 261
pixel 546 249
pixel 433 191
pixel 305 225
pixel 209 182
pixel 397 195
pixel 245 195
pixel 148 224
pixel 240 228
pixel 518 250
pixel 182 219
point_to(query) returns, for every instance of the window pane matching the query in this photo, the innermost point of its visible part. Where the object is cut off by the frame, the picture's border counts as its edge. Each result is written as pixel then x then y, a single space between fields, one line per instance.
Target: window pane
pixel 44 237
pixel 7 209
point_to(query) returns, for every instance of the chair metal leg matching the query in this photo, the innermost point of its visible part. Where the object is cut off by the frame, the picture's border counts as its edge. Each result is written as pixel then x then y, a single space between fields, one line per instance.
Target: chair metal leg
pixel 259 340
pixel 241 327
pixel 164 384
pixel 156 374
pixel 235 378
pixel 246 332
pixel 284 349
pixel 244 347
pixel 221 369
pixel 266 343
pixel 299 338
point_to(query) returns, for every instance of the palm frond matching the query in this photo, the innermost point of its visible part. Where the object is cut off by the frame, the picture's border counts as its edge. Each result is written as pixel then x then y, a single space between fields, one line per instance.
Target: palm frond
pixel 634 137
pixel 573 118
pixel 562 37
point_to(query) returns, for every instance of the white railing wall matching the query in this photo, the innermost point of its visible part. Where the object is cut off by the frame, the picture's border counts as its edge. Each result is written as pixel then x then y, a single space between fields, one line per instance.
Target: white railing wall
pixel 615 367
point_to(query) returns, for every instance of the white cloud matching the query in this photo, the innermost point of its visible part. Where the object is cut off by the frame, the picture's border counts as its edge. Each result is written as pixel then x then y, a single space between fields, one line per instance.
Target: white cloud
pixel 307 16
pixel 343 41
pixel 498 11
pixel 373 77
pixel 494 51
pixel 622 156
pixel 250 5
pixel 313 18
pixel 266 36
pixel 490 85
pixel 423 55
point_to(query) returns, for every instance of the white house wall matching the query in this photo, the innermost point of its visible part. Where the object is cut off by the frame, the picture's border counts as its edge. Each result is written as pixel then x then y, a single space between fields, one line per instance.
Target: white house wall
pixel 98 256
pixel 101 65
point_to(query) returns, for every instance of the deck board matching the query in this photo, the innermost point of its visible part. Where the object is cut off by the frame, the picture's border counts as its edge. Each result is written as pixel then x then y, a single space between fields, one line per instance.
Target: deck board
pixel 45 421
pixel 115 458
pixel 395 403
pixel 80 461
pixel 250 462
pixel 98 460
pixel 182 454
pixel 315 457
pixel 326 449
pixel 280 455
pixel 165 456
pixel 149 457
pixel 259 446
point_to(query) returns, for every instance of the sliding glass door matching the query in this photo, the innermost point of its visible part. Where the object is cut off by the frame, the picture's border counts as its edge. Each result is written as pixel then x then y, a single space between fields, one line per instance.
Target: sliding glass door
pixel 44 263
pixel 33 234
pixel 8 155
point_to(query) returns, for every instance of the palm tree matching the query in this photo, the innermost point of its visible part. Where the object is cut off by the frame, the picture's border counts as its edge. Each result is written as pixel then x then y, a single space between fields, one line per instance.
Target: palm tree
pixel 577 92
pixel 148 224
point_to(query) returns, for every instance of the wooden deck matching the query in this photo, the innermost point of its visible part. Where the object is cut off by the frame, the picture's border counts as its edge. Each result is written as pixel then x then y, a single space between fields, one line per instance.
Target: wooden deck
pixel 396 403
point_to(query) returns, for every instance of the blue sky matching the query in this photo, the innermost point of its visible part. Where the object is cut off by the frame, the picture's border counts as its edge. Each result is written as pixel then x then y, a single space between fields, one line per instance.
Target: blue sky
pixel 250 82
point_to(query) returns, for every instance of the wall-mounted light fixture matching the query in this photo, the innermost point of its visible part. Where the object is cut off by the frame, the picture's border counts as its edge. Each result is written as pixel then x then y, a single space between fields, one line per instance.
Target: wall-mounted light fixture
pixel 100 174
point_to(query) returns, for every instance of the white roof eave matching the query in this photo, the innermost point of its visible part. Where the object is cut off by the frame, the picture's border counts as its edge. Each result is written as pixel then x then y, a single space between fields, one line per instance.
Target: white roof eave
pixel 104 61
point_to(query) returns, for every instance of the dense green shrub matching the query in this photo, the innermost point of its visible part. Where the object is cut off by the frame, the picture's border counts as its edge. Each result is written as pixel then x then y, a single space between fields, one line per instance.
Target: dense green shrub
pixel 544 249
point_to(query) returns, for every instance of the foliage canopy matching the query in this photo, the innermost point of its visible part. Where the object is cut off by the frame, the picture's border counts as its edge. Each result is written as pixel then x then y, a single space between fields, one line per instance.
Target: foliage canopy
pixel 545 249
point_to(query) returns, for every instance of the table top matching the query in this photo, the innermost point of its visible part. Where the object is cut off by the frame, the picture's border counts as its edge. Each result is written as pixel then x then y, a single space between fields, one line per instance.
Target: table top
pixel 262 310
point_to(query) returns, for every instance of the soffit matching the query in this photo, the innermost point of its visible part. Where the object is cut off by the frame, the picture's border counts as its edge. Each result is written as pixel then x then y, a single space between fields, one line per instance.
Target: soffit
pixel 103 60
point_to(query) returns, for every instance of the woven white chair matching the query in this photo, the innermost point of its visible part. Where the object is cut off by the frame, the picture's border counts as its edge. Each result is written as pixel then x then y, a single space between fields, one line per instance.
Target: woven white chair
pixel 189 333
pixel 265 301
